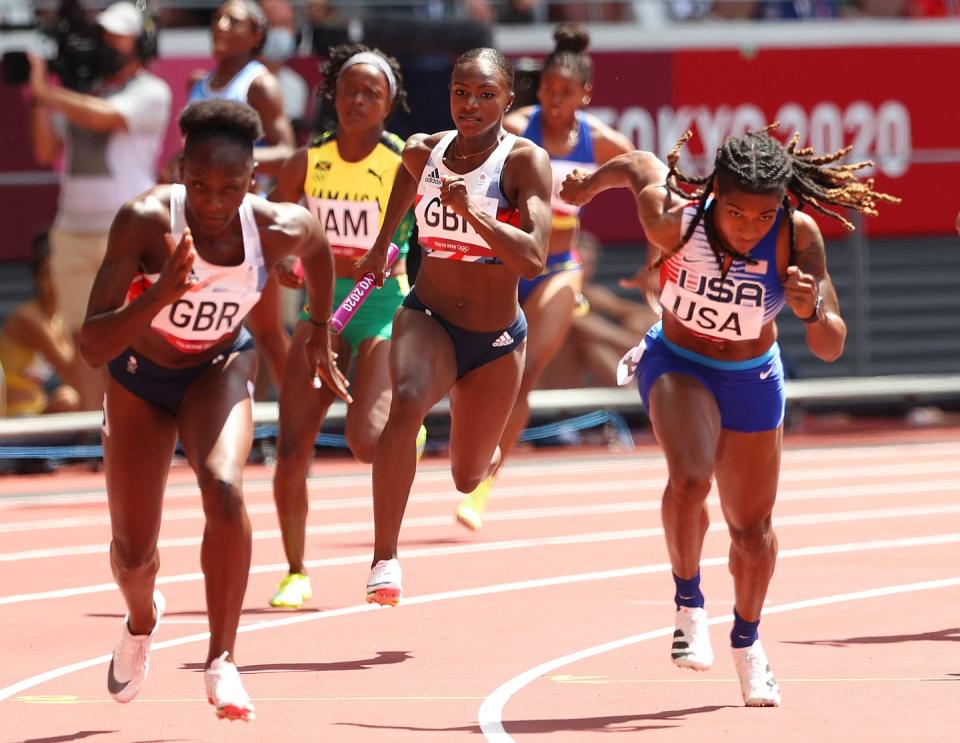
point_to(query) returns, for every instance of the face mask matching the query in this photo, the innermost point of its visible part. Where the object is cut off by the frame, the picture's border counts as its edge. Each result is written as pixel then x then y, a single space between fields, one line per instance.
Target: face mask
pixel 279 46
pixel 110 61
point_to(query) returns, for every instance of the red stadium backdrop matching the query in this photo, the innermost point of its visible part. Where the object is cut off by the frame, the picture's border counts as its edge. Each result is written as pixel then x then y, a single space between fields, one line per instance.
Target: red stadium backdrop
pixel 896 105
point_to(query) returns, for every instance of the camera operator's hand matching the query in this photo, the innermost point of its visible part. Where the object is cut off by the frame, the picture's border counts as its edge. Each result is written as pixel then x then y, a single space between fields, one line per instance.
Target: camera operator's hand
pixel 38 76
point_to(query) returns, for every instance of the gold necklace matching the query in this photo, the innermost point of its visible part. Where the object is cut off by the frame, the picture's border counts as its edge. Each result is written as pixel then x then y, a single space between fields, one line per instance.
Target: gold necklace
pixel 474 154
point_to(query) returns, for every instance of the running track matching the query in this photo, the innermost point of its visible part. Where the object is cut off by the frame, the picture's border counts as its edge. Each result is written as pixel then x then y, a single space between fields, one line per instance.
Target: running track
pixel 552 624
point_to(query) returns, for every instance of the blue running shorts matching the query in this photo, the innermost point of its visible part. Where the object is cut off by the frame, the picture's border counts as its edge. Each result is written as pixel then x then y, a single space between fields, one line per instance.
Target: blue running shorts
pixel 750 394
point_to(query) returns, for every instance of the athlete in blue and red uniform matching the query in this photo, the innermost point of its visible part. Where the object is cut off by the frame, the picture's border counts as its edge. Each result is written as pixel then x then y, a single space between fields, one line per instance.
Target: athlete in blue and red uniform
pixel 481 200
pixel 573 139
pixel 184 265
pixel 710 375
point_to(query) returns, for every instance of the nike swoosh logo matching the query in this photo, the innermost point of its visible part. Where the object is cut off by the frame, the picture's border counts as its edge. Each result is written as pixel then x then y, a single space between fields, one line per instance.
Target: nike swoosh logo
pixel 114 686
pixel 765 374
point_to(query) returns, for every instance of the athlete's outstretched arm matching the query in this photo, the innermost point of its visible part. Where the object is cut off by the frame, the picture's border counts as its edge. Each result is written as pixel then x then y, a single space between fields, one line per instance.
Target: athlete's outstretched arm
pixel 404 191
pixel 527 182
pixel 110 325
pixel 634 170
pixel 659 210
pixel 806 281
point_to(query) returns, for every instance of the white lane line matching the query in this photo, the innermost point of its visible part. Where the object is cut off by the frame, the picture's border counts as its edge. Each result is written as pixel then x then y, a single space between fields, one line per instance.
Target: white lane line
pixel 490 714
pixel 525 585
pixel 515 514
pixel 814 519
pixel 634 464
pixel 448 495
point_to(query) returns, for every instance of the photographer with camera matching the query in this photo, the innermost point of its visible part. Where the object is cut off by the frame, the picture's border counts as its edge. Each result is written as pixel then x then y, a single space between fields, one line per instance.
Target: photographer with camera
pixel 110 138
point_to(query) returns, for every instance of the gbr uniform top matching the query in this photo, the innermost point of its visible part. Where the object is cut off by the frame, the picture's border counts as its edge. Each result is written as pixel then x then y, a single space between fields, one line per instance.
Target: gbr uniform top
pixel 442 232
pixel 734 307
pixel 215 306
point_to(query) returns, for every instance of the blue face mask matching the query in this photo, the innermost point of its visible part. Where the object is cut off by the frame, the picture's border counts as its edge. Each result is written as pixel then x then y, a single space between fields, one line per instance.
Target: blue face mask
pixel 279 45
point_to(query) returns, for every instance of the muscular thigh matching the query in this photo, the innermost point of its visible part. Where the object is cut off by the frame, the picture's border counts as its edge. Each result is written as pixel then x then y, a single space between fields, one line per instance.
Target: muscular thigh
pixel 422 362
pixel 138 443
pixel 480 405
pixel 215 418
pixel 686 422
pixel 370 385
pixel 748 471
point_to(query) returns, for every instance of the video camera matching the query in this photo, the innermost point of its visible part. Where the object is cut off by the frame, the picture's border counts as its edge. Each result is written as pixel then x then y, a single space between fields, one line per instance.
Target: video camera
pixel 79 62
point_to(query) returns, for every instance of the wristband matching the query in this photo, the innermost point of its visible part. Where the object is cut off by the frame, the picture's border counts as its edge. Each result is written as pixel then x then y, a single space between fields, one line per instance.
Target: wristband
pixel 318 323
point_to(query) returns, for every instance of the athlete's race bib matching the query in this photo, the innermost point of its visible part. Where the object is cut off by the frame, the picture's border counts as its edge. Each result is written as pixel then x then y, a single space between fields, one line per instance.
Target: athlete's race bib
pixel 351 226
pixel 196 321
pixel 725 309
pixel 448 235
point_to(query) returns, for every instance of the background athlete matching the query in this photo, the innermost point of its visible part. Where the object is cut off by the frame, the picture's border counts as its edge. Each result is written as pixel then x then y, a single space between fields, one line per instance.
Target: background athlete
pixel 346 176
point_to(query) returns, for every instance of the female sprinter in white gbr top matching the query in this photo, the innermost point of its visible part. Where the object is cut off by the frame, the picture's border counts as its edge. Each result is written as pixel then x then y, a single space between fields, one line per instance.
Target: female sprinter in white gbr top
pixel 710 377
pixel 483 213
pixel 165 316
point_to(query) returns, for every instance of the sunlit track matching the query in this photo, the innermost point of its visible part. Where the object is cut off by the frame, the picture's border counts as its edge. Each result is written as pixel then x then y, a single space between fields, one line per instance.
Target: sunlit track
pixel 510 515
pixel 789 477
pixel 869 455
pixel 26 684
pixel 571 555
pixel 490 715
pixel 813 519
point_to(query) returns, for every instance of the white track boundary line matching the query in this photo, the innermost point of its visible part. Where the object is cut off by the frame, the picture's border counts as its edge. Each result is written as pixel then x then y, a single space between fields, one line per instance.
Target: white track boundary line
pixel 515 514
pixel 813 519
pixel 439 473
pixel 490 713
pixel 448 495
pixel 28 683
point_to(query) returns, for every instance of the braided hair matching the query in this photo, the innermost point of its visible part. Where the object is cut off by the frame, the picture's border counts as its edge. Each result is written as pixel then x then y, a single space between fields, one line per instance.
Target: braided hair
pixel 570 42
pixel 340 54
pixel 758 164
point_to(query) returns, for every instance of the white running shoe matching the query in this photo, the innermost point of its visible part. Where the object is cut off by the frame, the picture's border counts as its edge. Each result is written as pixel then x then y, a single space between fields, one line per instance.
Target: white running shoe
pixel 131 657
pixel 757 682
pixel 691 640
pixel 225 691
pixel 383 585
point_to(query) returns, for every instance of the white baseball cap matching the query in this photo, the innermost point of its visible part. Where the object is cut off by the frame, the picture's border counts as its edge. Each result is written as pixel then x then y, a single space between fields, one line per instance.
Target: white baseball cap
pixel 122 19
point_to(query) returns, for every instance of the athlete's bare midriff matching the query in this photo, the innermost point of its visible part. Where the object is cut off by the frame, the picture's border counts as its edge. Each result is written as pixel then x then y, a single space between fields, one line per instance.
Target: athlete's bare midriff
pixel 675 332
pixel 153 346
pixel 473 296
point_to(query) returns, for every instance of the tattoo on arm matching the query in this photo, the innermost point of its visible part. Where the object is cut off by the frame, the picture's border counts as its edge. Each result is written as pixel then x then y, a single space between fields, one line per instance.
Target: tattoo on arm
pixel 812 256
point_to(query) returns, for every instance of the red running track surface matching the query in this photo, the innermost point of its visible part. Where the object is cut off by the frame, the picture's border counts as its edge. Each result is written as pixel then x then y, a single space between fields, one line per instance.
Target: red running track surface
pixel 552 623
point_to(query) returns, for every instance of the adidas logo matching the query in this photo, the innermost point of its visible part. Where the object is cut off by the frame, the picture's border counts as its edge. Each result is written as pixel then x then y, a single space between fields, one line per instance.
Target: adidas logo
pixel 433 178
pixel 505 339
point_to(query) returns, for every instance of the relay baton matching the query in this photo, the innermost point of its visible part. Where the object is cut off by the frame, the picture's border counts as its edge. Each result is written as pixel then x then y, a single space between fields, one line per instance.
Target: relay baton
pixel 358 295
